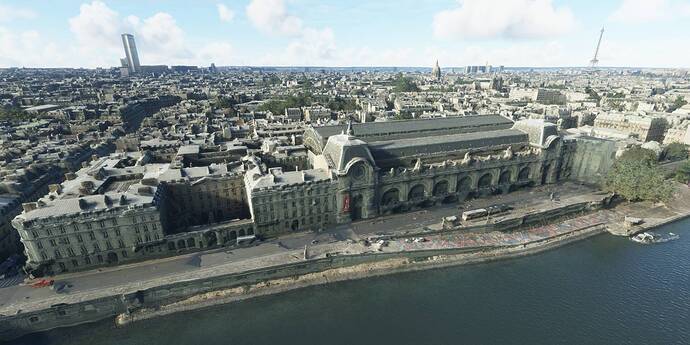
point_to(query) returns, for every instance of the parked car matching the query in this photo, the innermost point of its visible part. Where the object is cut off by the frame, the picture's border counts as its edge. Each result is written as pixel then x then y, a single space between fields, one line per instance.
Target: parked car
pixel 59 287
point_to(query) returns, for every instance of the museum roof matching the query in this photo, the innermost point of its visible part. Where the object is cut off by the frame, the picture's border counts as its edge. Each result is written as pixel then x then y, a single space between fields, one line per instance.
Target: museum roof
pixel 392 149
pixel 372 129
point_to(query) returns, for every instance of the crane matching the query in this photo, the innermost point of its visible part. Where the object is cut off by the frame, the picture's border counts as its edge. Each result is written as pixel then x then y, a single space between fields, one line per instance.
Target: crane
pixel 595 61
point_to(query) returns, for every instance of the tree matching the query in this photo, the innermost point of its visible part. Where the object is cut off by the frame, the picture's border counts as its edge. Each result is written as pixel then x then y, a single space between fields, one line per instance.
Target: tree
pixel 675 152
pixel 636 177
pixel 13 114
pixel 278 106
pixel 403 116
pixel 341 104
pixel 678 103
pixel 404 84
pixel 639 154
pixel 226 102
pixel 683 173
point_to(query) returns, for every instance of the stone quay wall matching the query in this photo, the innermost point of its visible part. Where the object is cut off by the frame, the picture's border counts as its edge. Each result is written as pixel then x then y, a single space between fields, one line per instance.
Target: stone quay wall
pixel 161 297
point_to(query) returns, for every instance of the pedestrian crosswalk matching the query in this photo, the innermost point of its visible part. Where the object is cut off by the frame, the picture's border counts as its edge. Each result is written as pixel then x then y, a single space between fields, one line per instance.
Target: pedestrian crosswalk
pixel 11 281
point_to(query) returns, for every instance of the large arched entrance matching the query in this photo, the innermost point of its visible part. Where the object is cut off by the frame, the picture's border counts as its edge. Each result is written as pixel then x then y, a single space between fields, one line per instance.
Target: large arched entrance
pixel 464 188
pixel 390 197
pixel 464 185
pixel 545 173
pixel 356 209
pixel 112 258
pixel 295 225
pixel 441 188
pixel 211 238
pixel 505 177
pixel 484 181
pixel 524 174
pixel 416 193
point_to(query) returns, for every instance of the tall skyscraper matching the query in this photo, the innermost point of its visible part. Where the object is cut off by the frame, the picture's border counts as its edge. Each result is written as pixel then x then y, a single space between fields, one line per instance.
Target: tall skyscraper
pixel 131 53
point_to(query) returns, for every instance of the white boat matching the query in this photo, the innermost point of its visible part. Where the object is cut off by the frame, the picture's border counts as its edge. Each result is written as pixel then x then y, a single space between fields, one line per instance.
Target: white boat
pixel 651 237
pixel 643 237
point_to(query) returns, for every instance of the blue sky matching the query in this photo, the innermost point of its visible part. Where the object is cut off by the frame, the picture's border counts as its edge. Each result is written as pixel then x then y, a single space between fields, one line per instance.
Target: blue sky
pixel 642 33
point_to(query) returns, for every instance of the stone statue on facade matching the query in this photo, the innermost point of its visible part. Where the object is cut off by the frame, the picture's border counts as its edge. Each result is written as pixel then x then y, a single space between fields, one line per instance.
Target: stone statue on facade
pixel 508 154
pixel 417 165
pixel 468 158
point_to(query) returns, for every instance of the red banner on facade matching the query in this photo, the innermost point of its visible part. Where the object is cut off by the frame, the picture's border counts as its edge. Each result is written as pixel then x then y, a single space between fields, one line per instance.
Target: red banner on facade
pixel 346 203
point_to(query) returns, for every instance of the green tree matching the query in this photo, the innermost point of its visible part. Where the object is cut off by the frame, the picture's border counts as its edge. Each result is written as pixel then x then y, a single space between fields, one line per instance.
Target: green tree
pixel 639 154
pixel 675 152
pixel 404 84
pixel 341 104
pixel 13 114
pixel 225 102
pixel 683 173
pixel 679 102
pixel 403 116
pixel 278 106
pixel 635 176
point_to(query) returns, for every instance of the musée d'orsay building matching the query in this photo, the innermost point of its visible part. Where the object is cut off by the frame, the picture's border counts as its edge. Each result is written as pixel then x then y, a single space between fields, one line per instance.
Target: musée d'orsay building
pixel 361 171
pixel 133 205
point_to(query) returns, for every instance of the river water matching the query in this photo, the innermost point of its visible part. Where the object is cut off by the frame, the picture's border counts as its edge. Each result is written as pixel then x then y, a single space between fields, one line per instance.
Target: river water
pixel 604 290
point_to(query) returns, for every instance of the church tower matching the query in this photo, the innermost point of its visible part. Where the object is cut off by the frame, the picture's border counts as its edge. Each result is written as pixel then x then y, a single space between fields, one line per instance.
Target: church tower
pixel 436 72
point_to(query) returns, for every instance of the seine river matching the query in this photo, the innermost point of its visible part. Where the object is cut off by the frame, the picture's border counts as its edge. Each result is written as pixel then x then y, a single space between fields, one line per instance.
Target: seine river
pixel 604 290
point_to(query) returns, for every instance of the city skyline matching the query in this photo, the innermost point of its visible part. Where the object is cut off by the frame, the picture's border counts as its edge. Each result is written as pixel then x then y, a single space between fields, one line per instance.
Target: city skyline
pixel 520 33
pixel 163 157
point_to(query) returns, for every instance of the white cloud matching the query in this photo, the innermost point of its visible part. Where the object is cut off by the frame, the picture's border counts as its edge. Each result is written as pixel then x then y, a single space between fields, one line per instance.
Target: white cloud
pixel 225 13
pixel 9 13
pixel 28 48
pixel 220 53
pixel 270 16
pixel 647 11
pixel 503 19
pixel 160 40
pixel 312 47
pixel 640 11
pixel 161 36
pixel 309 46
pixel 97 29
pixel 95 23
